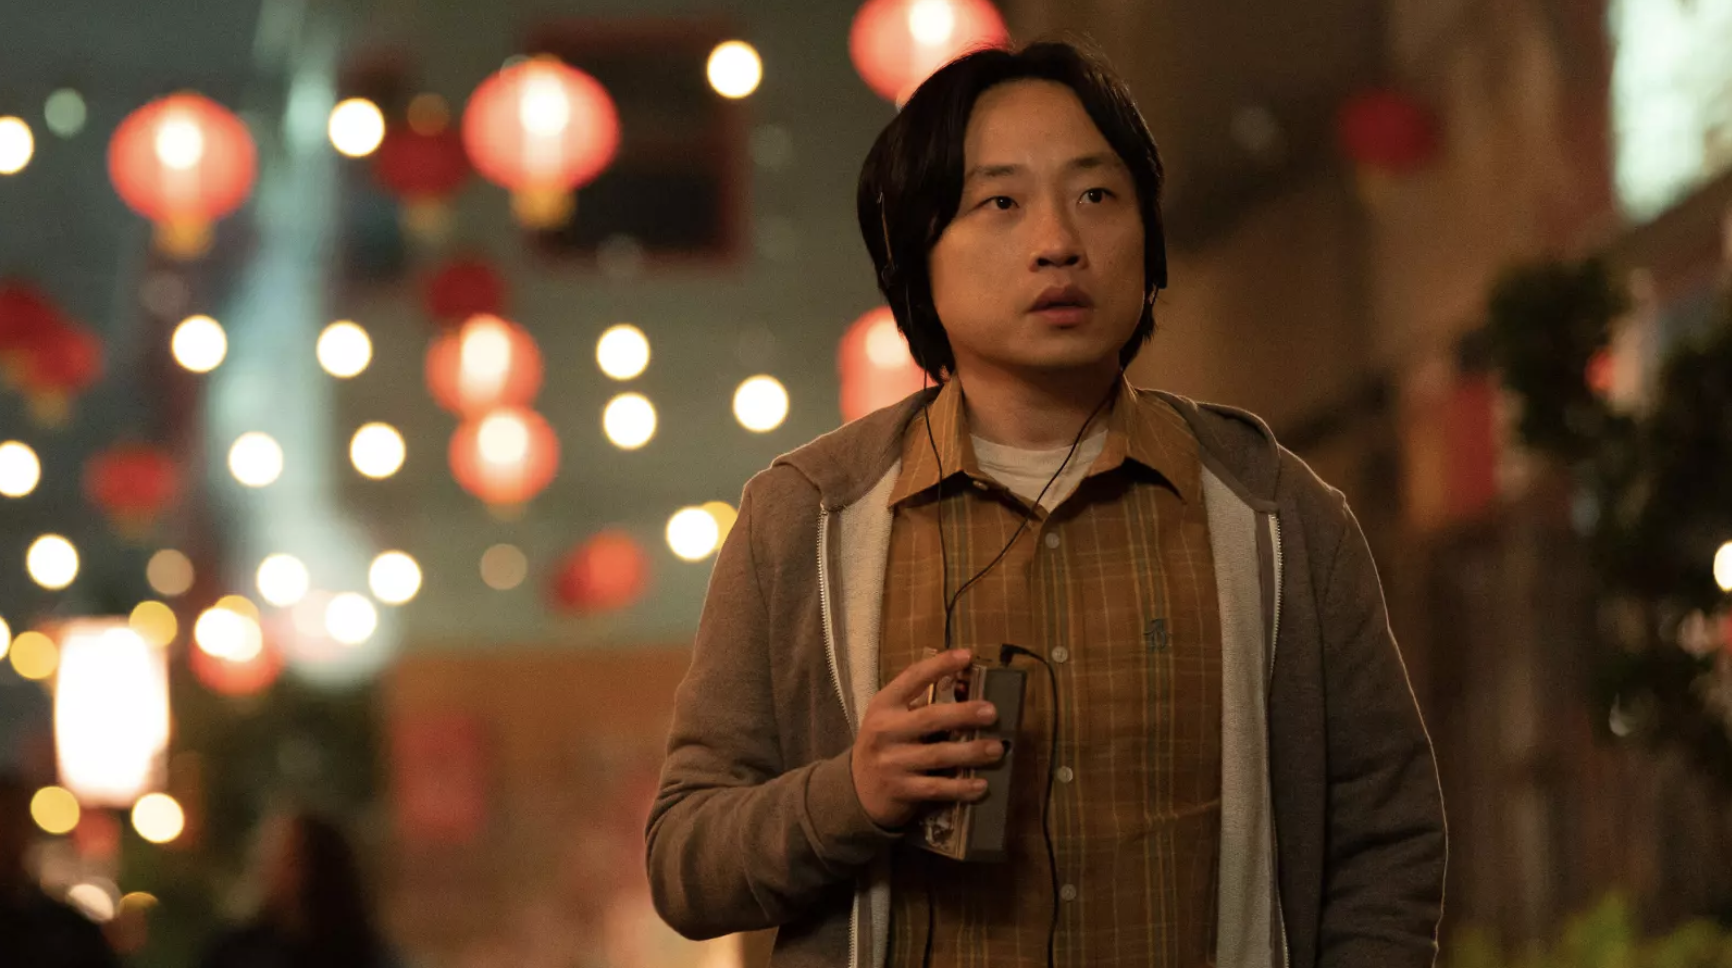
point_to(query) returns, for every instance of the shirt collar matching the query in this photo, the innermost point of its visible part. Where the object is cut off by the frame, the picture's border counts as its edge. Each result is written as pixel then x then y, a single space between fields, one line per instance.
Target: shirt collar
pixel 1140 428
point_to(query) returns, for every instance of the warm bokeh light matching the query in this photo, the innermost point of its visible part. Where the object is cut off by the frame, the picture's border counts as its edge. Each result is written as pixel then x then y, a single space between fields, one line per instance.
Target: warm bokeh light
pixel 725 516
pixel 54 809
pixel 183 161
pixel 154 622
pixel 169 572
pixel 693 534
pixel 240 605
pixel 20 470
pixel 487 362
pixel 17 145
pixel 111 712
pixel 428 114
pixel 897 44
pixel 874 365
pixel 94 901
pixel 377 450
pixel 394 578
pixel 506 457
pixel 503 567
pixel 761 404
pixel 629 421
pixel 52 562
pixel 255 459
pixel 357 127
pixel 1723 567
pixel 34 655
pixel 283 580
pixel 344 349
pixel 350 618
pixel 158 818
pixel 623 352
pixel 65 112
pixel 199 344
pixel 735 69
pixel 5 638
pixel 228 634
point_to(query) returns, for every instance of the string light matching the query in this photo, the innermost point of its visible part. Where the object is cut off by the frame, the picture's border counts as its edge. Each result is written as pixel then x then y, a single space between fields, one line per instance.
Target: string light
pixel 377 451
pixel 199 344
pixel 34 655
pixel 394 577
pixel 735 69
pixel 17 145
pixel 344 349
pixel 283 580
pixel 629 421
pixel 357 127
pixel 693 534
pixel 503 567
pixel 351 619
pixel 256 459
pixel 169 572
pixel 20 470
pixel 54 809
pixel 158 818
pixel 52 562
pixel 623 352
pixel 761 404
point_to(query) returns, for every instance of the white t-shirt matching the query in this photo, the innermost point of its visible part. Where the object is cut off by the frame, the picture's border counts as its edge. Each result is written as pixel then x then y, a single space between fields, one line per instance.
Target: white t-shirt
pixel 1025 472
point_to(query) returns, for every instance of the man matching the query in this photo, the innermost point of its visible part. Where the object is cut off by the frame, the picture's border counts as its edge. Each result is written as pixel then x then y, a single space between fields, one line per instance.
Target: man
pixel 1227 765
pixel 35 929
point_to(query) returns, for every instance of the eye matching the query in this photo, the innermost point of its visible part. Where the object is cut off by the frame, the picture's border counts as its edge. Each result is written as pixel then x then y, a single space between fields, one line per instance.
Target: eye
pixel 1098 194
pixel 999 202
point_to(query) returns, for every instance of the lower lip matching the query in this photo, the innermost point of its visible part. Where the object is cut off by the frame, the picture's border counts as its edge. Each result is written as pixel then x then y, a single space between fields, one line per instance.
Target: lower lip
pixel 1064 315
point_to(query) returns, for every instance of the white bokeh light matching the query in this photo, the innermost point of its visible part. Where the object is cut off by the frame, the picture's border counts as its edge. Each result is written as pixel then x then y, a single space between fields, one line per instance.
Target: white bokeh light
pixel 503 438
pixel 52 562
pixel 1723 567
pixel 377 450
pixel 735 69
pixel 394 577
pixel 199 344
pixel 344 349
pixel 20 470
pixel 350 618
pixel 228 634
pixel 283 580
pixel 179 143
pixel 357 127
pixel 544 110
pixel 693 534
pixel 158 818
pixel 623 352
pixel 256 459
pixel 932 22
pixel 17 145
pixel 629 421
pixel 761 404
pixel 885 347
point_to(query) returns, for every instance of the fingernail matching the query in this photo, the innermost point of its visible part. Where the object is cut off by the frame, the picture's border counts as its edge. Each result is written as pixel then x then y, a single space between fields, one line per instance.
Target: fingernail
pixel 995 750
pixel 978 786
pixel 987 712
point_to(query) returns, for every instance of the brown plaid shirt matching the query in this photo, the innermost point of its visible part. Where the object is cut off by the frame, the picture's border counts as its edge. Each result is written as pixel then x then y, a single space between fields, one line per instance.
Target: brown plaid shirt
pixel 1116 587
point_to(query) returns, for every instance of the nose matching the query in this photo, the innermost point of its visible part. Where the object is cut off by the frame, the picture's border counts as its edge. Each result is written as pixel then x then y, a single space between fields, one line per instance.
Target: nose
pixel 1056 244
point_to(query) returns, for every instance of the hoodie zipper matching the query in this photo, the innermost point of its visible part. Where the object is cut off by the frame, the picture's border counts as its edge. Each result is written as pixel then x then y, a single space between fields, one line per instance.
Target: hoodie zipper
pixel 825 614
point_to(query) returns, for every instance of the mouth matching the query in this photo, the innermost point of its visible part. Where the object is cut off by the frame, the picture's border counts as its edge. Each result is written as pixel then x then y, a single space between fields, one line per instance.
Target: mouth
pixel 1063 305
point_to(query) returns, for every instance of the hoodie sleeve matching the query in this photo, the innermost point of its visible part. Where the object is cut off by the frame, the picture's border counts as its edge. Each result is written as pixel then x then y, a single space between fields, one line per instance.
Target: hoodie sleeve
pixel 1384 873
pixel 738 840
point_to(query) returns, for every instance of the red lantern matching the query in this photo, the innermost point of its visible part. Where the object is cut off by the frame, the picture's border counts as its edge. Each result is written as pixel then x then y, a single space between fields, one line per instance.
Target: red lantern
pixel 27 319
pixel 423 171
pixel 504 457
pixel 132 484
pixel 605 573
pixel 183 162
pixel 488 362
pixel 462 288
pixel 1387 132
pixel 231 677
pixel 542 129
pixel 876 368
pixel 65 362
pixel 897 44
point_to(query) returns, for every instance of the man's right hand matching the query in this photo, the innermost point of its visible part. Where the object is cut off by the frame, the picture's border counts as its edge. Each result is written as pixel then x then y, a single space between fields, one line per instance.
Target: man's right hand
pixel 893 760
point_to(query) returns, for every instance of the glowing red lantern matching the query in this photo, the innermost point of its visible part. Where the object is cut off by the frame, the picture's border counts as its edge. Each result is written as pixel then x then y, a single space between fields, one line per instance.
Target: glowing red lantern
pixel 462 288
pixel 542 129
pixel 132 484
pixel 487 362
pixel 608 572
pixel 236 677
pixel 897 44
pixel 423 170
pixel 506 456
pixel 27 318
pixel 1387 132
pixel 183 162
pixel 63 363
pixel 875 366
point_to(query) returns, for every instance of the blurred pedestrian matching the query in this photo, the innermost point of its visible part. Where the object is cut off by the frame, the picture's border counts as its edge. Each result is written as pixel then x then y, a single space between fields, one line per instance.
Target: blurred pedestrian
pixel 314 911
pixel 35 929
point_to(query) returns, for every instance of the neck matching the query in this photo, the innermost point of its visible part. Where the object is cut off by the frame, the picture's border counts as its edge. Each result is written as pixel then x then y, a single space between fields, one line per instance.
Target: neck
pixel 1044 415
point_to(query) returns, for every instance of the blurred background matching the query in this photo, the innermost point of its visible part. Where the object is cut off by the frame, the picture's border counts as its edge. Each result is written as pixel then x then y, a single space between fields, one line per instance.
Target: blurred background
pixel 379 376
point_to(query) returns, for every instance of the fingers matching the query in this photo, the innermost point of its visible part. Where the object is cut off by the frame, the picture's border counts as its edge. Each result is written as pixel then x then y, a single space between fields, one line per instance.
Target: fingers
pixel 919 788
pixel 928 757
pixel 915 679
pixel 919 723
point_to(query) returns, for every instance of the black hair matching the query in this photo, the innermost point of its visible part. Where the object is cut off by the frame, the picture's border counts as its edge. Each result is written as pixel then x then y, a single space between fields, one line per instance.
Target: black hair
pixel 334 908
pixel 911 183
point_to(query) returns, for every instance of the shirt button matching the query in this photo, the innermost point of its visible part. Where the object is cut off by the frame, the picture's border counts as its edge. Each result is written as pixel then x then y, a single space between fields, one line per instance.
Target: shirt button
pixel 1060 654
pixel 1067 892
pixel 1065 775
pixel 1052 539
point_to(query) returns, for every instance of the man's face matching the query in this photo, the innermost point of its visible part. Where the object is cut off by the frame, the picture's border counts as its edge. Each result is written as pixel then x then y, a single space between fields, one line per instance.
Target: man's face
pixel 1041 271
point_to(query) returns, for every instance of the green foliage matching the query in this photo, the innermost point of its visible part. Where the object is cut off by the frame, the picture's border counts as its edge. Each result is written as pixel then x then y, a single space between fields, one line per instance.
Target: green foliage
pixel 1607 936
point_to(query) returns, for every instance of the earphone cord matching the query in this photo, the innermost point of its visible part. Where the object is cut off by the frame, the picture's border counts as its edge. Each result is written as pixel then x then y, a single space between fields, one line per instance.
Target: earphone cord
pixel 1004 654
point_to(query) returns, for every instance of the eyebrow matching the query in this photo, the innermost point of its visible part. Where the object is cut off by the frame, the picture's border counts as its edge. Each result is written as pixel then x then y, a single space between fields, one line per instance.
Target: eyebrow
pixel 1104 159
